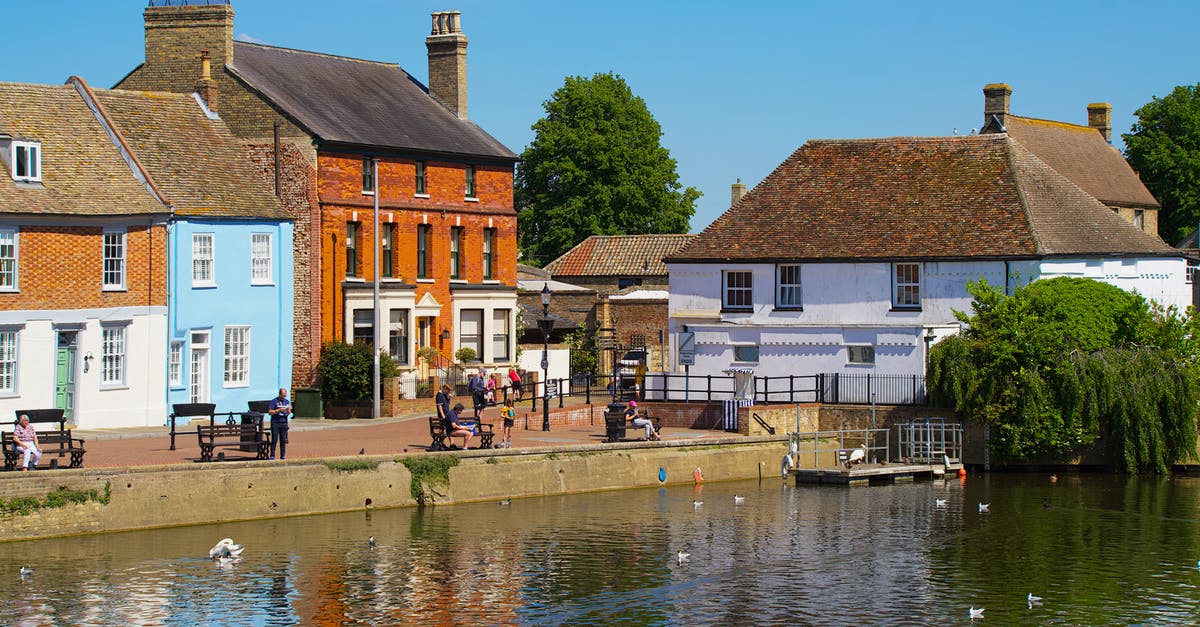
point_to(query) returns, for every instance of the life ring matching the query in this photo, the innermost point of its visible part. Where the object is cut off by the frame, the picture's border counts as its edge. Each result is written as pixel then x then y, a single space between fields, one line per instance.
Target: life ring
pixel 697 475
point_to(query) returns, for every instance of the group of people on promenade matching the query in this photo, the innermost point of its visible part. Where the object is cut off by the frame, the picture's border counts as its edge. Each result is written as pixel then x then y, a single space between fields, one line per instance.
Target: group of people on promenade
pixel 482 389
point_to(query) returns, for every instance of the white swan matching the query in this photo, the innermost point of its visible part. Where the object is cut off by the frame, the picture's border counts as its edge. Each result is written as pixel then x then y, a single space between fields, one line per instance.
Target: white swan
pixel 225 548
pixel 857 456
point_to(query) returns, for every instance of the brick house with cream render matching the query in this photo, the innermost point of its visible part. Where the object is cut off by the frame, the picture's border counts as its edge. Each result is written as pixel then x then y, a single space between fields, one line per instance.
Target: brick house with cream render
pixel 444 187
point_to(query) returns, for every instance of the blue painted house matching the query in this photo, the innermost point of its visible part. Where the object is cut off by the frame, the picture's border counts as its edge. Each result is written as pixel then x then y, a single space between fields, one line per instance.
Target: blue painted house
pixel 229 270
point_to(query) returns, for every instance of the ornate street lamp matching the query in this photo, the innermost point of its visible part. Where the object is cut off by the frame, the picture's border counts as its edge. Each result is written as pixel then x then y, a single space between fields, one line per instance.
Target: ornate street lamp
pixel 546 323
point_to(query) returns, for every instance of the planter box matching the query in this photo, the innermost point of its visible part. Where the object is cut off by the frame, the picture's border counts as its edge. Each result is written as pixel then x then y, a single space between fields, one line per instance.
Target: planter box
pixel 341 410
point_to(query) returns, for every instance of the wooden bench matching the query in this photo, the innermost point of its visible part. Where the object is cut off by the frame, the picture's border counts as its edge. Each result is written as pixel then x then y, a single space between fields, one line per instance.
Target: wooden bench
pixel 615 426
pixel 232 436
pixel 57 441
pixel 437 433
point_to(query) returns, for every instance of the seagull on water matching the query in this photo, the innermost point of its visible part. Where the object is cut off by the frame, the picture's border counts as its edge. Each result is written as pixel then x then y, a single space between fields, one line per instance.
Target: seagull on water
pixel 371 542
pixel 738 499
pixel 975 613
pixel 682 557
pixel 1032 600
pixel 983 507
pixel 225 549
pixel 26 571
pixel 506 502
pixel 939 502
pixel 697 504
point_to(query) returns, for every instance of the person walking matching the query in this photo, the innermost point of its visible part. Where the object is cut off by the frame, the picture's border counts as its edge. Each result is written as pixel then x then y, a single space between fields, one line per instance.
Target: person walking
pixel 25 438
pixel 478 390
pixel 489 394
pixel 280 409
pixel 509 414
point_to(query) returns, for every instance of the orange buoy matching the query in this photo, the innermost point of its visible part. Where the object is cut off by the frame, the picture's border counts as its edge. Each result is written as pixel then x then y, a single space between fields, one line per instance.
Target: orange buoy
pixel 697 475
pixel 962 472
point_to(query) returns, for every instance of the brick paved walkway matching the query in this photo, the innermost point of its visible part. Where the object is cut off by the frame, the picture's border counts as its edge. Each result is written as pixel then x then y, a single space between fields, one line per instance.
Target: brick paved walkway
pixel 147 446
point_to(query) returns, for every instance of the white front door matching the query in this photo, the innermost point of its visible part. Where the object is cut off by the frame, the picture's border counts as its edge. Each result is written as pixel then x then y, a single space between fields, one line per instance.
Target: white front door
pixel 199 380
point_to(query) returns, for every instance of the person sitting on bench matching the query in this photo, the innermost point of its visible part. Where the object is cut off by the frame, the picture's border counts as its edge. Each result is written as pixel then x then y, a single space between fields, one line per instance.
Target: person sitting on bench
pixel 456 430
pixel 27 443
pixel 631 414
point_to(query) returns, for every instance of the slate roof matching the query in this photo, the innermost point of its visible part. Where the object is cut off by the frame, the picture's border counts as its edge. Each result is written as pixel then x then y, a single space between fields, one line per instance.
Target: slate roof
pixel 197 163
pixel 1081 154
pixel 83 174
pixel 360 103
pixel 619 255
pixel 900 198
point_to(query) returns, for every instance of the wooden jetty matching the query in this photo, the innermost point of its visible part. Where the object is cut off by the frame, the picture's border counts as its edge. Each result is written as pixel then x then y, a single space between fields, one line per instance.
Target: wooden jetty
pixel 871 474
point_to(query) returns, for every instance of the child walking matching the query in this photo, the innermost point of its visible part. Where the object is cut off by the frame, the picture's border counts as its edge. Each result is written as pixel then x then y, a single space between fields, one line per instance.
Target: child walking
pixel 509 414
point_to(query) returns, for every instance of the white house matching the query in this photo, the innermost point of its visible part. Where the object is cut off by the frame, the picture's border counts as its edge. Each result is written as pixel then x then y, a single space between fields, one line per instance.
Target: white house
pixel 852 255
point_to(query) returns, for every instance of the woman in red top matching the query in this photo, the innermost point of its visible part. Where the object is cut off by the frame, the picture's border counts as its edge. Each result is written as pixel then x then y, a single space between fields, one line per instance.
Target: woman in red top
pixel 514 380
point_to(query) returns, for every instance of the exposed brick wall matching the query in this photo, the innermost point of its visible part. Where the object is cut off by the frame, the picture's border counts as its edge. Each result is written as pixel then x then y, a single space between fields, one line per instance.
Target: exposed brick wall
pixel 611 284
pixel 298 194
pixel 342 198
pixel 61 267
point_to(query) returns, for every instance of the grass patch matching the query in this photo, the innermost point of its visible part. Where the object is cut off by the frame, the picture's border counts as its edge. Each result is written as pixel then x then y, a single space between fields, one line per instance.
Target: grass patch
pixel 351 465
pixel 551 456
pixel 26 505
pixel 428 471
pixel 492 460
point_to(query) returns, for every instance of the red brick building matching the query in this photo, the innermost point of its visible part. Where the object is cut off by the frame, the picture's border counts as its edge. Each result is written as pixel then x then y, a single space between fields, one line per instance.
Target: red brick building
pixel 339 137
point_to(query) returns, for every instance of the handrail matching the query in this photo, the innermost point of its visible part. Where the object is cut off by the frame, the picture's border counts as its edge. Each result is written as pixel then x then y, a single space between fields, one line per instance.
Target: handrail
pixel 762 423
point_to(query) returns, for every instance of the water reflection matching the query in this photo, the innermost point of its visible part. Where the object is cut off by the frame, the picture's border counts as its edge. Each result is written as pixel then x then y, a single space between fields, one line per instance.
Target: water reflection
pixel 1099 549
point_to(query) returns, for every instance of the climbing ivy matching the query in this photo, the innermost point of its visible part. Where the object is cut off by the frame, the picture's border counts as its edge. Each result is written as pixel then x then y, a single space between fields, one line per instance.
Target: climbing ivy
pixel 428 471
pixel 25 505
pixel 1067 363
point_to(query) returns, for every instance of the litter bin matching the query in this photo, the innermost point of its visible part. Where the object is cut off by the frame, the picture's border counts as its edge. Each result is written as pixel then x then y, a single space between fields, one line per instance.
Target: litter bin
pixel 250 440
pixel 614 422
pixel 307 403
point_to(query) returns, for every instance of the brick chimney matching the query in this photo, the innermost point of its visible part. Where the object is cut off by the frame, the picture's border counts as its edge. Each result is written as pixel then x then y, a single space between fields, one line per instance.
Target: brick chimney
pixel 738 190
pixel 995 102
pixel 448 62
pixel 1100 118
pixel 206 86
pixel 175 35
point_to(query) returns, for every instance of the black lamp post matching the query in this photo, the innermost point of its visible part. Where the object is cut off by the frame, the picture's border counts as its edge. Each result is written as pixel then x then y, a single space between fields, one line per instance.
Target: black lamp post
pixel 546 324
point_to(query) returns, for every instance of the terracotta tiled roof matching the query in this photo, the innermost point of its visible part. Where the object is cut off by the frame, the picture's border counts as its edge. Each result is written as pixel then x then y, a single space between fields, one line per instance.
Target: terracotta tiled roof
pixel 916 198
pixel 619 255
pixel 360 103
pixel 196 162
pixel 82 171
pixel 1081 154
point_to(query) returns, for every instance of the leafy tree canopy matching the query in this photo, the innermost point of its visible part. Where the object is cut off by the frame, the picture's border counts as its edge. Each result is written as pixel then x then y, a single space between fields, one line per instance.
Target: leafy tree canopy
pixel 596 167
pixel 1164 148
pixel 1064 363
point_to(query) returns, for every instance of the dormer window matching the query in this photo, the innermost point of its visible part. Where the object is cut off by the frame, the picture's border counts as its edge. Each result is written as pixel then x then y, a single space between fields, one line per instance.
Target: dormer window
pixel 26 161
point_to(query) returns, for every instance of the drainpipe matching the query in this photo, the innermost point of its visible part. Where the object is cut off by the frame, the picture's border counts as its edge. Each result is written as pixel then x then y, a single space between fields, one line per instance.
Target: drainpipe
pixel 375 307
pixel 278 190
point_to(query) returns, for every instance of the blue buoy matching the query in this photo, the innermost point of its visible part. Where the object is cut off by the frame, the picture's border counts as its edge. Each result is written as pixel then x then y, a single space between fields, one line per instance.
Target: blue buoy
pixel 662 474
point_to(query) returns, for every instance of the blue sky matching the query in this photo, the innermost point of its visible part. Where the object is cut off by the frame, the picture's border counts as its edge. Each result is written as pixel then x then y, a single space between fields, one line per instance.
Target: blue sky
pixel 736 86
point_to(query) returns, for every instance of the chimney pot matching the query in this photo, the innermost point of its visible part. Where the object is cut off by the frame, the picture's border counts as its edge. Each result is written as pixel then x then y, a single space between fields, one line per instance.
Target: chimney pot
pixel 206 87
pixel 737 190
pixel 995 102
pixel 447 48
pixel 1100 118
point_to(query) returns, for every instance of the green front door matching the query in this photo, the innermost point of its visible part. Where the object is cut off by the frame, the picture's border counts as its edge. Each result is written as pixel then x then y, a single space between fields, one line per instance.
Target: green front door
pixel 64 374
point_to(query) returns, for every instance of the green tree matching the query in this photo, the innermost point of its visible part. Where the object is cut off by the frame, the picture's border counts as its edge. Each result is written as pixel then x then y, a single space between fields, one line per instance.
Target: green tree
pixel 1065 363
pixel 1163 146
pixel 596 167
pixel 584 354
pixel 346 369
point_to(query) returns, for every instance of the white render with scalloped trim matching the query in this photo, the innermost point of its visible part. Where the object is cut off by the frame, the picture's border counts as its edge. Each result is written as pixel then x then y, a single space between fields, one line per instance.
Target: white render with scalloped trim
pixel 850 304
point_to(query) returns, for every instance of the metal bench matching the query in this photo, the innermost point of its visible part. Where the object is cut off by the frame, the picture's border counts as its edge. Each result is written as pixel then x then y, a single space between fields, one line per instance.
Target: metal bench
pixel 437 433
pixel 615 425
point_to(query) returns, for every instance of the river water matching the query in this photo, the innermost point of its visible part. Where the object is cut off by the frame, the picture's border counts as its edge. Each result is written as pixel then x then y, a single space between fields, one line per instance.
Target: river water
pixel 1099 550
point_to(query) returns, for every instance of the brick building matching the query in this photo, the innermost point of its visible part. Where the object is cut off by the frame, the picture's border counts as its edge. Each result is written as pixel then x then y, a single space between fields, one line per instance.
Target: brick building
pixel 340 137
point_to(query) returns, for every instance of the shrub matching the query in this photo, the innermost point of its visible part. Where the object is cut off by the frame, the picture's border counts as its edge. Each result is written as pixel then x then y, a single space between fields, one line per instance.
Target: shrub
pixel 465 354
pixel 345 371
